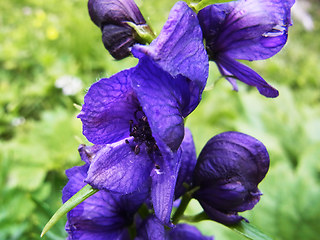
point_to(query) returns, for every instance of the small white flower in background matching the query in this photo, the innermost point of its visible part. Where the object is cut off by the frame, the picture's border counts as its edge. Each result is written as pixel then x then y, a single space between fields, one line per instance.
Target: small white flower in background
pixel 18 121
pixel 27 10
pixel 70 85
pixel 300 12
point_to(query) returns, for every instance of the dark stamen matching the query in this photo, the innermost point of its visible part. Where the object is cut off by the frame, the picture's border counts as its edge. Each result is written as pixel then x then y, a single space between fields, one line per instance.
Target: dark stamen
pixel 141 132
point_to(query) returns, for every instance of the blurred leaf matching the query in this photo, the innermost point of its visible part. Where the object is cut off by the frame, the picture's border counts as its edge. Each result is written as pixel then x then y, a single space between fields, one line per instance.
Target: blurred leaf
pixel 249 231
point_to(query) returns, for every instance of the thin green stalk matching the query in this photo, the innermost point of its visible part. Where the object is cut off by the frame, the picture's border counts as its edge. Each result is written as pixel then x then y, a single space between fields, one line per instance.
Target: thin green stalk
pixel 75 200
pixel 183 205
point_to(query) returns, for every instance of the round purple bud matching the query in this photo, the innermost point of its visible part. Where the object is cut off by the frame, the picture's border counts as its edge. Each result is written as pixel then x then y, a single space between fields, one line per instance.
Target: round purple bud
pixel 228 171
pixel 112 17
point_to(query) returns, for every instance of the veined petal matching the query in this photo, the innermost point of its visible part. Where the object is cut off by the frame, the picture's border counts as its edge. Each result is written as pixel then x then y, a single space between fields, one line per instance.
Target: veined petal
pixel 164 178
pixel 108 108
pixel 87 153
pixel 246 75
pixel 246 29
pixel 179 49
pixel 151 228
pixel 118 169
pixel 162 98
pixel 103 215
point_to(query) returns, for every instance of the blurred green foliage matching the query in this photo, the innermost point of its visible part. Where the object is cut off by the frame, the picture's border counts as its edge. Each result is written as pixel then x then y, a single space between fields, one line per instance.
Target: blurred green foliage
pixel 42 41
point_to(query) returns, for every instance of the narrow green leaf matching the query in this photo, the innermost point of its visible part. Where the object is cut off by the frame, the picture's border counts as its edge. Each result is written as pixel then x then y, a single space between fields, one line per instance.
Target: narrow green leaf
pixel 249 231
pixel 75 200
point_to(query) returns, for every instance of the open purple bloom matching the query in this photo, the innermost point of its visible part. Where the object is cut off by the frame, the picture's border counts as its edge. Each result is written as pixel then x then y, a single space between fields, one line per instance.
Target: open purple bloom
pixel 179 50
pixel 152 228
pixel 248 30
pixel 138 114
pixel 228 171
pixel 112 17
pixel 102 216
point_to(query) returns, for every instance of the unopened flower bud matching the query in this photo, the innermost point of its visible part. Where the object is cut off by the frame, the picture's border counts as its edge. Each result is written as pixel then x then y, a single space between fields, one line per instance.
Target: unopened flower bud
pixel 228 171
pixel 112 17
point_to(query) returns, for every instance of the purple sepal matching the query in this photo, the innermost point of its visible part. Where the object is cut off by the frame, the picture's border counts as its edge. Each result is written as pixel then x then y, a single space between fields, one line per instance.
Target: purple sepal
pixel 162 99
pixel 246 75
pixel 164 178
pixel 103 215
pixel 248 30
pixel 228 171
pixel 87 153
pixel 227 218
pixel 117 168
pixel 179 50
pixel 152 228
pixel 188 162
pixel 108 107
pixel 186 232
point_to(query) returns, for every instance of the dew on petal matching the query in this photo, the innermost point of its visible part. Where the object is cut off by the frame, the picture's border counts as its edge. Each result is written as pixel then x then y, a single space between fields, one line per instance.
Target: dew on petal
pixel 276 31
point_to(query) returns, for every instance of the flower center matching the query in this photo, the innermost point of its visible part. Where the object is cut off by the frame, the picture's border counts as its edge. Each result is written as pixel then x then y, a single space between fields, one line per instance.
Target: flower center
pixel 141 132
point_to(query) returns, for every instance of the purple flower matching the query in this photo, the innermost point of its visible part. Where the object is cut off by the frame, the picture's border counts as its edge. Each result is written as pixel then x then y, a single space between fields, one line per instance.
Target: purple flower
pixel 152 228
pixel 138 114
pixel 248 30
pixel 112 17
pixel 228 171
pixel 102 216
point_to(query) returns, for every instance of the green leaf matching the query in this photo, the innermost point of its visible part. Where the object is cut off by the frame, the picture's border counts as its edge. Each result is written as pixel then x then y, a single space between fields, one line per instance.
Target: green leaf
pixel 75 200
pixel 249 231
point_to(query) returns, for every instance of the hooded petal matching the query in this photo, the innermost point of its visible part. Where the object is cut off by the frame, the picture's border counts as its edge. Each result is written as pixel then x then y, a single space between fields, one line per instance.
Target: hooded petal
pixel 103 215
pixel 162 98
pixel 246 75
pixel 118 169
pixel 246 29
pixel 188 162
pixel 108 108
pixel 179 50
pixel 228 171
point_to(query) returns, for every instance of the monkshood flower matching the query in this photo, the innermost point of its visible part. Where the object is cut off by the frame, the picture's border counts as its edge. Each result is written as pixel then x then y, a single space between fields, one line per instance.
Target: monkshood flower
pixel 152 228
pixel 228 171
pixel 112 17
pixel 248 30
pixel 102 216
pixel 138 114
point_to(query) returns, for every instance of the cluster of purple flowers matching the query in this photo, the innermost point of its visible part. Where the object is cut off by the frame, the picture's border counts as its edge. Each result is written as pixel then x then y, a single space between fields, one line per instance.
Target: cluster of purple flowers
pixel 143 158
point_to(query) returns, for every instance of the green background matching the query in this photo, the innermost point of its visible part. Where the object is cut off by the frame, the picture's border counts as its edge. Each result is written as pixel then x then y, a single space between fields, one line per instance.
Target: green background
pixel 41 41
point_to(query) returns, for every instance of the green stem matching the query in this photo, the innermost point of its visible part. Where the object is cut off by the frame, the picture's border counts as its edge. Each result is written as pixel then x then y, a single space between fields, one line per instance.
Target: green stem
pixel 196 218
pixel 198 6
pixel 144 34
pixel 75 200
pixel 183 205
